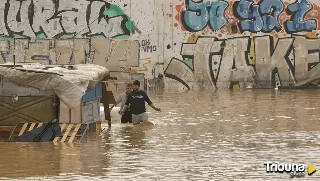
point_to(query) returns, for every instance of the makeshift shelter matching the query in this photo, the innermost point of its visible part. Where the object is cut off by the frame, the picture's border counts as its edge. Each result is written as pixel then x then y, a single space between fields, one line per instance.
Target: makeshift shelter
pixel 36 92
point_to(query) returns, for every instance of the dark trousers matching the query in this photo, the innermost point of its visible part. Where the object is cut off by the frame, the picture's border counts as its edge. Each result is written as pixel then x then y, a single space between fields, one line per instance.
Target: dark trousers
pixel 126 117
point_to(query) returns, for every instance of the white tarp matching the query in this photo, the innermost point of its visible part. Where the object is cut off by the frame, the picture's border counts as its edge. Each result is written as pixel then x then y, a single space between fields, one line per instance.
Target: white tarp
pixel 69 85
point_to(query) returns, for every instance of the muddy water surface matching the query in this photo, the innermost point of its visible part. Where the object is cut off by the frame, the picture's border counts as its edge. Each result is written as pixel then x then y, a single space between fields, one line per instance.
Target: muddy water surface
pixel 198 136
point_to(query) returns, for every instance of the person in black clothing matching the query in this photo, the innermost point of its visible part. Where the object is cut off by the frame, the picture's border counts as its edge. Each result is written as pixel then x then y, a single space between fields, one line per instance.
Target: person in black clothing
pixel 127 116
pixel 136 99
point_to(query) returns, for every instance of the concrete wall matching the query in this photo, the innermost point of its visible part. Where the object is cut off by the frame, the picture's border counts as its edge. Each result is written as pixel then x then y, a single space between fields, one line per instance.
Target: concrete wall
pixel 211 44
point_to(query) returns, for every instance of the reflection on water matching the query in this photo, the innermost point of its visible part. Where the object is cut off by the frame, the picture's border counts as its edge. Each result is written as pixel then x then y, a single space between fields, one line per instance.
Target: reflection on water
pixel 198 136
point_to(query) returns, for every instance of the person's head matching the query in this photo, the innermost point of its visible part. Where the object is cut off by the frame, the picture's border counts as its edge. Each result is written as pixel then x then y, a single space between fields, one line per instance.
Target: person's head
pixel 136 85
pixel 129 88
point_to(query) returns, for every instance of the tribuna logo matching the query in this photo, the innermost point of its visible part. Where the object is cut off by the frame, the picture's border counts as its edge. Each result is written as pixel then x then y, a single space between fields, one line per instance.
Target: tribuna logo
pixel 297 170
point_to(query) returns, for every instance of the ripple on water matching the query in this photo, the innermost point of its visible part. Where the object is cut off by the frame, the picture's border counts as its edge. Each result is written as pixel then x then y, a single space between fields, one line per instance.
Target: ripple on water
pixel 195 137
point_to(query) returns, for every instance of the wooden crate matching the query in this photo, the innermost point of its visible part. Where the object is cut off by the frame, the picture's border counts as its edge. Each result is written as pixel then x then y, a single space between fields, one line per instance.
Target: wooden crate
pixel 26 109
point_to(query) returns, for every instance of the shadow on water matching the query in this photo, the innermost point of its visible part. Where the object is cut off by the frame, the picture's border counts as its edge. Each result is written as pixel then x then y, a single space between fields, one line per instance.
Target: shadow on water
pixel 24 160
pixel 133 138
pixel 196 136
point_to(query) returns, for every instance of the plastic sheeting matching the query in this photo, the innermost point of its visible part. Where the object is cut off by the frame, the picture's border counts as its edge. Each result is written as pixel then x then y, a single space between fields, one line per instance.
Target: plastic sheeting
pixel 47 132
pixel 69 84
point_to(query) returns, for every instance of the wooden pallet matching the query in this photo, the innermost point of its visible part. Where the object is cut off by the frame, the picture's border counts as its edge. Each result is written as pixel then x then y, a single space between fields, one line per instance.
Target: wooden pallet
pixel 70 132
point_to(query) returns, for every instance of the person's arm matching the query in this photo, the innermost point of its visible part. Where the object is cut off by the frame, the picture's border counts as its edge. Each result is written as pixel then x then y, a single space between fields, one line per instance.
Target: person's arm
pixel 126 105
pixel 147 99
pixel 117 102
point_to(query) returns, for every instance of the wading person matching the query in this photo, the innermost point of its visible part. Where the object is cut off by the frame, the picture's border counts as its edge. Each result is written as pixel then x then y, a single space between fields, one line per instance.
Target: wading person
pixel 127 115
pixel 136 100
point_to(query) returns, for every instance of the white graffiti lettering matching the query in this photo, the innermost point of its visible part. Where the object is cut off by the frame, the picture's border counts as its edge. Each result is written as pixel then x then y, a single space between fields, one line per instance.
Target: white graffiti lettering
pixel 43 11
pixel 291 61
pixel 101 51
pixel 53 19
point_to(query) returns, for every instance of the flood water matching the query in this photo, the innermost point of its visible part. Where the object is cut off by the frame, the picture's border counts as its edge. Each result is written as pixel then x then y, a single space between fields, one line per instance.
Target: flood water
pixel 220 135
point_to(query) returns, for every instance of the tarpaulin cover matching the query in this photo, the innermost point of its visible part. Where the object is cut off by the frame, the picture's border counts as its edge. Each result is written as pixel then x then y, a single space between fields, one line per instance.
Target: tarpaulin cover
pixel 48 132
pixel 69 85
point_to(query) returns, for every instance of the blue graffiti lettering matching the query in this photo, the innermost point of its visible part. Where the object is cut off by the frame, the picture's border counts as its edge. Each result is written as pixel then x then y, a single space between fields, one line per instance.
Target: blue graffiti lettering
pixel 249 13
pixel 216 14
pixel 270 11
pixel 299 9
pixel 196 16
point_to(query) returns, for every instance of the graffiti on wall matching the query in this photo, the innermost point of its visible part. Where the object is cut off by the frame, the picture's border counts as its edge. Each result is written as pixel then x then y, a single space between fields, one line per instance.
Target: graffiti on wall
pixel 265 16
pixel 266 43
pixel 248 15
pixel 62 19
pixel 199 14
pixel 147 47
pixel 260 60
pixel 66 32
pixel 112 54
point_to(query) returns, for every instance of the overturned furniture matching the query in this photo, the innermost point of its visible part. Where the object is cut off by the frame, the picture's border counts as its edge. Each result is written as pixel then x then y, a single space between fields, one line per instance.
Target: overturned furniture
pixel 33 95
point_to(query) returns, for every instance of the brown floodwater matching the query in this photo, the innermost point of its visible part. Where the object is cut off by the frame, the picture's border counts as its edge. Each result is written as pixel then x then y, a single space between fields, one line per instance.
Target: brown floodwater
pixel 221 135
